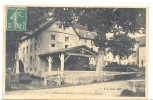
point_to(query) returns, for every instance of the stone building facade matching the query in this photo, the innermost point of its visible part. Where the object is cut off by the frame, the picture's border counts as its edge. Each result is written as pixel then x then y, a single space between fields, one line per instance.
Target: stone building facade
pixel 49 37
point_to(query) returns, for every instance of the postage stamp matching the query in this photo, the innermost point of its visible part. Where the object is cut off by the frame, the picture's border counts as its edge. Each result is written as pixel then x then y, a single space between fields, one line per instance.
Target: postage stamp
pixel 75 53
pixel 16 18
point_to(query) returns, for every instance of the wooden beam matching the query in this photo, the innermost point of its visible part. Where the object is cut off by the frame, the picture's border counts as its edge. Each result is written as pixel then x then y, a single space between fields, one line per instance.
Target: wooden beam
pixel 74 50
pixel 53 60
pixel 90 58
pixel 66 58
pixel 76 54
pixel 89 51
pixel 82 51
pixel 59 56
pixel 50 63
pixel 48 58
pixel 62 62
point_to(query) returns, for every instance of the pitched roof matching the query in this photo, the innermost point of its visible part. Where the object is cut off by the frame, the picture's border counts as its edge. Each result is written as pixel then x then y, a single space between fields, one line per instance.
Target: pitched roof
pixel 85 34
pixel 81 33
pixel 67 50
pixel 41 27
pixel 141 40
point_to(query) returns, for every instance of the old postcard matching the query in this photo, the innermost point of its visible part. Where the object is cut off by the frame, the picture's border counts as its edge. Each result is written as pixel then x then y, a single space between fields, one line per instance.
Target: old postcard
pixel 75 52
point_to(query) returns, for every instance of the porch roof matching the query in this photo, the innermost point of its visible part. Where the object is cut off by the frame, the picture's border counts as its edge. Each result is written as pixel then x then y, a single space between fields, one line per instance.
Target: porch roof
pixel 67 50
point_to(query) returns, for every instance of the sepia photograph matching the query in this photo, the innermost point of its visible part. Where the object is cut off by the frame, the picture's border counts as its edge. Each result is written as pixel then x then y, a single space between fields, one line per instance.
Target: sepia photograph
pixel 75 52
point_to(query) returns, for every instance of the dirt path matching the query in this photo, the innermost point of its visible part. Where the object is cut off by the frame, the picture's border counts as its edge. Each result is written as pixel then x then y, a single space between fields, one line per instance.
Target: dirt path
pixel 97 89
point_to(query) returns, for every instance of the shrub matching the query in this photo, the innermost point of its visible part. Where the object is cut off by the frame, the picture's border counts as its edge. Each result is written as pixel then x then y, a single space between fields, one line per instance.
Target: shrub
pixel 130 93
pixel 94 81
pixel 118 65
pixel 127 92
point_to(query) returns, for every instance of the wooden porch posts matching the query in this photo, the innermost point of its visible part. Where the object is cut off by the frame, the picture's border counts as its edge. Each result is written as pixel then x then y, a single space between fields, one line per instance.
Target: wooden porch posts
pixel 62 62
pixel 50 61
pixel 17 65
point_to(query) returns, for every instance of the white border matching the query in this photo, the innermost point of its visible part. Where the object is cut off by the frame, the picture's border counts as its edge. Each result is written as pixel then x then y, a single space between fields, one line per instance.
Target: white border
pixel 148 3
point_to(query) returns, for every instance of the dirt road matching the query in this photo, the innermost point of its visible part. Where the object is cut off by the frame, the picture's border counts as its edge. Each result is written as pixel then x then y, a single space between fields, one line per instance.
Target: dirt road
pixel 97 90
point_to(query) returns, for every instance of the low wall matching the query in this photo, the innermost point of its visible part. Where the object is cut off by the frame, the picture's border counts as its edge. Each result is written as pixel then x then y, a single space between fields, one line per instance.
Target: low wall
pixel 86 77
pixel 120 69
pixel 125 76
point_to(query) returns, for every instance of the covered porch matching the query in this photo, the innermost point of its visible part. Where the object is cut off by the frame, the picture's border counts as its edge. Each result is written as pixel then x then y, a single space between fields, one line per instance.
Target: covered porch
pixel 69 59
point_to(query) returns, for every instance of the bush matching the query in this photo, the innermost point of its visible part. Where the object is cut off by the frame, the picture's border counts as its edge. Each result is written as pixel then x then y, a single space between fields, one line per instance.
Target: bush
pixel 130 93
pixel 115 64
pixel 127 92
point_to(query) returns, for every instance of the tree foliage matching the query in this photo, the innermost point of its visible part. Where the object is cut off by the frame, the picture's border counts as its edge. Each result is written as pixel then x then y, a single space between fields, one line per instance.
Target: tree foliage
pixel 102 20
pixel 37 16
pixel 121 45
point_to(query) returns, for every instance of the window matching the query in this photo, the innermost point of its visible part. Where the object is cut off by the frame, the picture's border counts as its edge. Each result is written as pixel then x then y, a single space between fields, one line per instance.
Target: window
pixel 35 69
pixel 27 49
pixel 66 39
pixel 30 59
pixel 53 37
pixel 26 69
pixel 30 48
pixel 35 46
pixel 35 58
pixel 52 45
pixel 30 69
pixel 91 48
pixel 66 46
pixel 85 41
pixel 23 49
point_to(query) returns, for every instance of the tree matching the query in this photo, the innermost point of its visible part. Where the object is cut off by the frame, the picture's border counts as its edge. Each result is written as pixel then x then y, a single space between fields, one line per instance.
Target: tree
pixel 102 21
pixel 37 16
pixel 121 45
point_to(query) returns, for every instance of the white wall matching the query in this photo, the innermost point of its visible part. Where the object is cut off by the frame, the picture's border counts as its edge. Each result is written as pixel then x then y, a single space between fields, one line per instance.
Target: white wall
pixel 142 56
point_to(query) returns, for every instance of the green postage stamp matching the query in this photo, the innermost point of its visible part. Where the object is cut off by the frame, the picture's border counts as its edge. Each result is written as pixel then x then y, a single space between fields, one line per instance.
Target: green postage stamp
pixel 16 18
